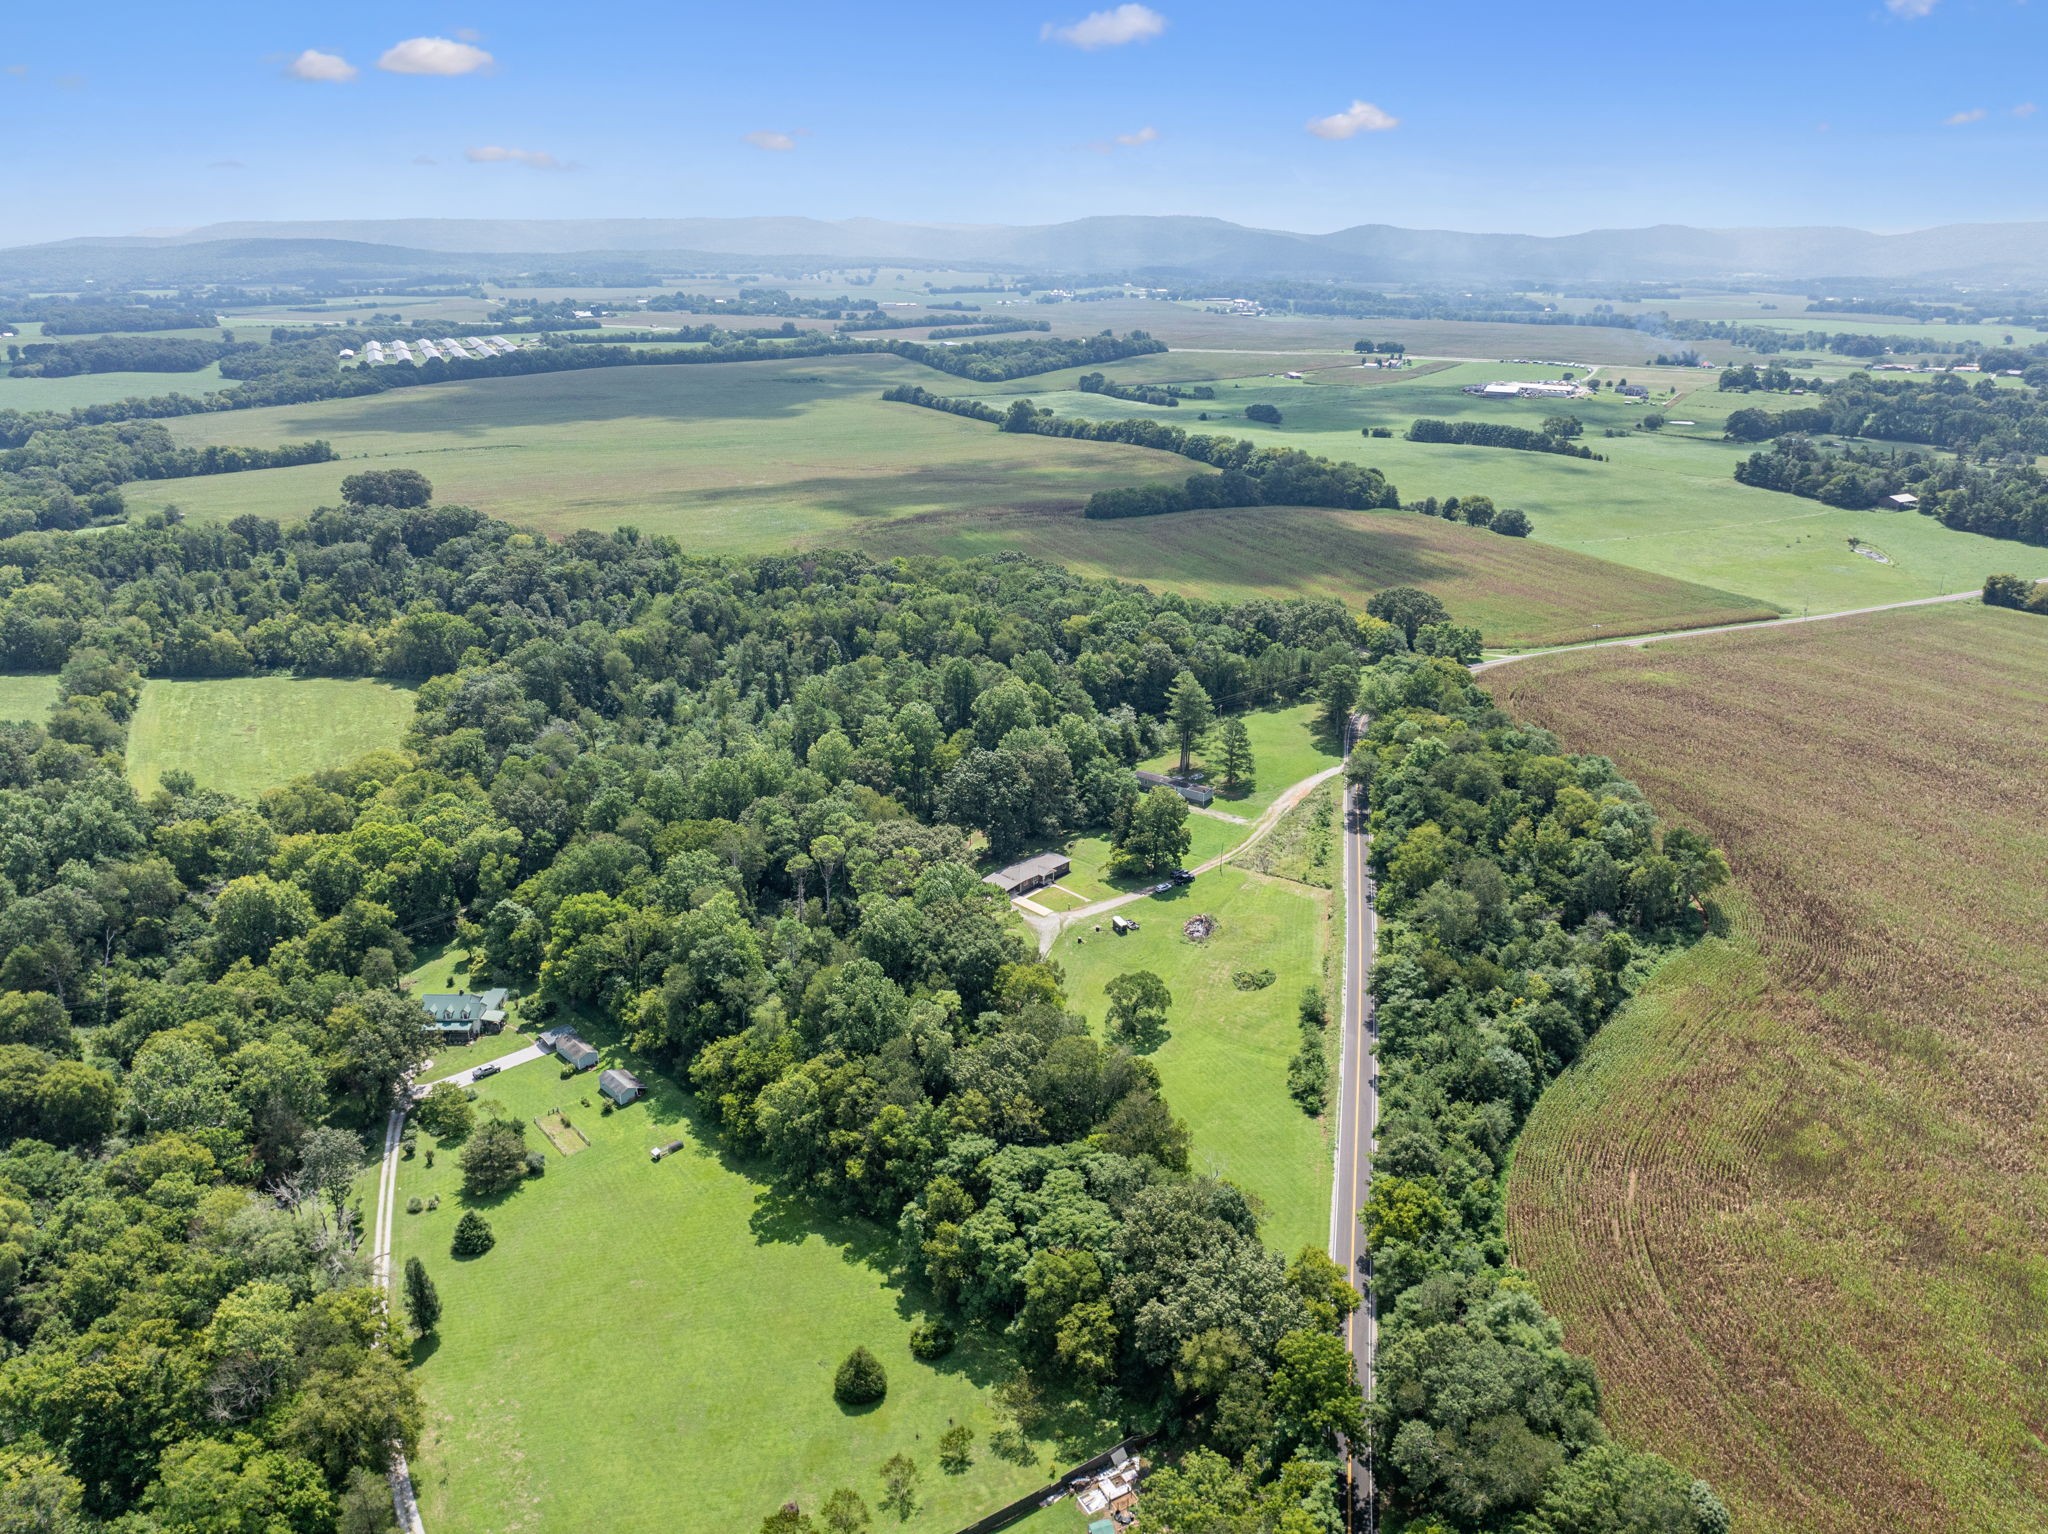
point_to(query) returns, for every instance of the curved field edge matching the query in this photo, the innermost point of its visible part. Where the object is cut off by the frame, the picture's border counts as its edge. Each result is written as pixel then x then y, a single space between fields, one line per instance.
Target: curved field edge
pixel 1518 592
pixel 1789 1199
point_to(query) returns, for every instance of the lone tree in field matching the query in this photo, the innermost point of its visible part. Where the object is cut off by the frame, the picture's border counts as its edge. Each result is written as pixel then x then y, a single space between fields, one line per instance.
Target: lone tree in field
pixel 1234 751
pixel 846 1512
pixel 861 1380
pixel 472 1236
pixel 403 488
pixel 1265 415
pixel 899 1484
pixel 956 1449
pixel 1137 1008
pixel 1408 609
pixel 1190 712
pixel 422 1300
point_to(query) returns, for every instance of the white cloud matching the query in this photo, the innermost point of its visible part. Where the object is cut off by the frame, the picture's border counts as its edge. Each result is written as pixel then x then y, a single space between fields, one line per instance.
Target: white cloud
pixel 434 56
pixel 1912 10
pixel 765 138
pixel 495 154
pixel 1956 120
pixel 469 34
pixel 1107 29
pixel 315 65
pixel 2025 109
pixel 19 71
pixel 1145 135
pixel 424 159
pixel 1359 117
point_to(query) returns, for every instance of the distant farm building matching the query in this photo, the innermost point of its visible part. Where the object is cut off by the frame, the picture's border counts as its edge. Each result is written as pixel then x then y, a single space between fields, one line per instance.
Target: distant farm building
pixel 1194 793
pixel 1032 873
pixel 1902 501
pixel 1638 391
pixel 458 1017
pixel 621 1087
pixel 1514 389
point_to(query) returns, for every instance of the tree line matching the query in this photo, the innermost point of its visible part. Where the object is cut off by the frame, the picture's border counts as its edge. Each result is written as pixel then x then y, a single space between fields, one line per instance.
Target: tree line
pixel 1948 411
pixel 1142 393
pixel 1499 858
pixel 1498 434
pixel 118 354
pixel 2001 499
pixel 2015 592
pixel 97 458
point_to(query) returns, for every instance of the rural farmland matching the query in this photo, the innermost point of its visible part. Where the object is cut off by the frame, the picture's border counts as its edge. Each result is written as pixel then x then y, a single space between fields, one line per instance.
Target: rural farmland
pixel 1789 1201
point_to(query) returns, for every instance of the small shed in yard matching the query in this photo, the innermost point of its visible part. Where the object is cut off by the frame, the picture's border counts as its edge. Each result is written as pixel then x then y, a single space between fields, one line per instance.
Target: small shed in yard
pixel 621 1087
pixel 575 1052
pixel 1194 793
pixel 1903 502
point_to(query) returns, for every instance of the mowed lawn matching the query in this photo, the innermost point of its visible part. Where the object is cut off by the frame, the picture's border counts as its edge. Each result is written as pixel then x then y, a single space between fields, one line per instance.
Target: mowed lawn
pixel 1791 1200
pixel 245 734
pixel 727 457
pixel 27 696
pixel 1224 1061
pixel 651 1346
pixel 1286 747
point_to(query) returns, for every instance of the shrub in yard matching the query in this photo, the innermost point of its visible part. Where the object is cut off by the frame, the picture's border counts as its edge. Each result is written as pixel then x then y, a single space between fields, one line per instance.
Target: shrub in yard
pixel 861 1380
pixel 414 1204
pixel 472 1236
pixel 536 1163
pixel 930 1340
pixel 1252 979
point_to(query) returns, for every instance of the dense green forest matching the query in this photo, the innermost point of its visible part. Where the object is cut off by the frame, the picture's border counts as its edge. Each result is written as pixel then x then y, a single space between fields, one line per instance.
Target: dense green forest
pixel 724 810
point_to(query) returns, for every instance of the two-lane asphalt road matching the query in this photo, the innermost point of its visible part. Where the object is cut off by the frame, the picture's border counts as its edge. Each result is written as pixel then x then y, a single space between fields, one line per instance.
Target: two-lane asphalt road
pixel 1358 1116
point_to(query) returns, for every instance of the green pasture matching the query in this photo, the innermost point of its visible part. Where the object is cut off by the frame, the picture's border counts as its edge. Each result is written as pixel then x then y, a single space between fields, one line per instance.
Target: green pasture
pixel 1286 747
pixel 245 734
pixel 1224 1061
pixel 747 458
pixel 28 394
pixel 729 458
pixel 1209 836
pixel 1665 502
pixel 27 696
pixel 652 1345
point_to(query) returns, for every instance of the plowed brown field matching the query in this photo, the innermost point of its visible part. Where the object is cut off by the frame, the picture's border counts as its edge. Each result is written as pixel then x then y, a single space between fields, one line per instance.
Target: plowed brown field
pixel 1794 1200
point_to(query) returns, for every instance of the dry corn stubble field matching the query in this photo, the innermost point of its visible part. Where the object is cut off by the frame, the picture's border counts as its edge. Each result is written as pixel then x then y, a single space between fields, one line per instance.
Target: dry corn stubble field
pixel 1791 1201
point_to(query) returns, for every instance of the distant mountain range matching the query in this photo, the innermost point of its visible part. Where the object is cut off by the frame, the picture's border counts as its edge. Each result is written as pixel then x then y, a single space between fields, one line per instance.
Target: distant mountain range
pixel 1185 246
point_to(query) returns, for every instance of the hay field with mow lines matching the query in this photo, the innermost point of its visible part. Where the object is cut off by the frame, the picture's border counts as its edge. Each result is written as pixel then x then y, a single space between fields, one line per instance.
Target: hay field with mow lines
pixel 1790 1201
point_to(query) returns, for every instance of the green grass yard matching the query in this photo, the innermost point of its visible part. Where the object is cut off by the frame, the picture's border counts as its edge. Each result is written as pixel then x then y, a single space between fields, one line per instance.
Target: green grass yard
pixel 27 696
pixel 1285 749
pixel 652 1345
pixel 30 394
pixel 245 734
pixel 1224 1062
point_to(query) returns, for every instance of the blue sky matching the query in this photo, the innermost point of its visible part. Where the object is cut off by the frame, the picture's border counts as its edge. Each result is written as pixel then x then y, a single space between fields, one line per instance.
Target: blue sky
pixel 1468 114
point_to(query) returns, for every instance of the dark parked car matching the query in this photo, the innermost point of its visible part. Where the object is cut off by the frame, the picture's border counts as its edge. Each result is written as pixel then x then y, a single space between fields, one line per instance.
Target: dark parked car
pixel 1181 876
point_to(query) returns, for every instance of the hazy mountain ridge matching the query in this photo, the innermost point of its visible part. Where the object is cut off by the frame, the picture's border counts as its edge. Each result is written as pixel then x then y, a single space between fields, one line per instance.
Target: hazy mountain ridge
pixel 1178 244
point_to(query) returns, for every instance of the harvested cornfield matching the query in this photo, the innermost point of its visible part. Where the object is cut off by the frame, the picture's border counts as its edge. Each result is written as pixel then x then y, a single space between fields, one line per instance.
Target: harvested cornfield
pixel 1791 1200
